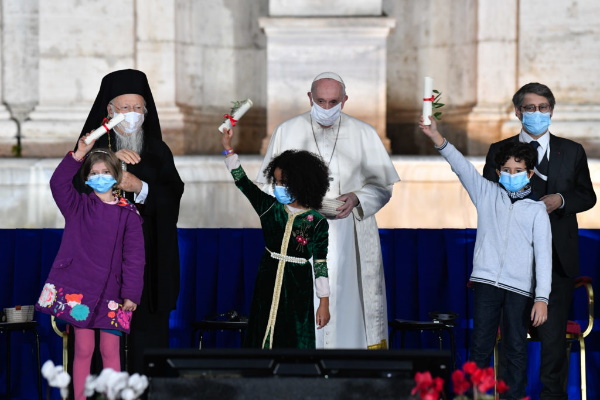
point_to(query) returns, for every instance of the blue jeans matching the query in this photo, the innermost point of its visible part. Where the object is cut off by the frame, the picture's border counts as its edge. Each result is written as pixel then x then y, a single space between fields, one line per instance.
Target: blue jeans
pixel 495 307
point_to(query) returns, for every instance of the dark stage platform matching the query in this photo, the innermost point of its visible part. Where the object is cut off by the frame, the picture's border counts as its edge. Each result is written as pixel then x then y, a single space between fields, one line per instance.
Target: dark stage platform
pixel 289 374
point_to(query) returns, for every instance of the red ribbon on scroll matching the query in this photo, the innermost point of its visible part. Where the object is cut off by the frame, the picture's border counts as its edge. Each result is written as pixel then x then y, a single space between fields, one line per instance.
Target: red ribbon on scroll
pixel 231 119
pixel 104 122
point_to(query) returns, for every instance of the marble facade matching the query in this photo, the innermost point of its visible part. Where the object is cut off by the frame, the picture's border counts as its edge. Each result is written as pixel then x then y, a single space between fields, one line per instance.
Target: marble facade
pixel 201 54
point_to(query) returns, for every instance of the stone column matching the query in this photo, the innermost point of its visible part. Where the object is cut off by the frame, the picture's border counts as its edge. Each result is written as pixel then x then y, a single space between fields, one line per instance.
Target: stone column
pixel 497 73
pixel 220 54
pixel 79 43
pixel 155 55
pixel 559 47
pixel 18 75
pixel 435 38
pixel 310 37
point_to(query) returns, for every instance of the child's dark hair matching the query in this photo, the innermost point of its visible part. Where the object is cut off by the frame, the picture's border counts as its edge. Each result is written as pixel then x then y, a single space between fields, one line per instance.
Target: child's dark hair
pixel 305 175
pixel 520 151
pixel 108 158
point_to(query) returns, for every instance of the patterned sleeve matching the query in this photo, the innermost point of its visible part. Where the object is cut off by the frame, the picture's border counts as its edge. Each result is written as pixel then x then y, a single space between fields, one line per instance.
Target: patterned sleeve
pixel 319 251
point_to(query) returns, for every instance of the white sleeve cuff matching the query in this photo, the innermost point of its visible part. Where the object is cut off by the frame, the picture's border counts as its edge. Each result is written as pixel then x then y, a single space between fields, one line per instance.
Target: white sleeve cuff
pixel 140 198
pixel 232 162
pixel 563 201
pixel 322 286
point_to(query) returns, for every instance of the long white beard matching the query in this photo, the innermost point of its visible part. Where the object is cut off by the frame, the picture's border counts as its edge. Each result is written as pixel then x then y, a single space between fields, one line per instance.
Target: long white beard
pixel 133 142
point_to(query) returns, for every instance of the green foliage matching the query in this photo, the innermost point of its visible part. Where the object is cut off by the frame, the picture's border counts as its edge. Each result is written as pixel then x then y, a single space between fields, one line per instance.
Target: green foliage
pixel 16 150
pixel 236 105
pixel 436 104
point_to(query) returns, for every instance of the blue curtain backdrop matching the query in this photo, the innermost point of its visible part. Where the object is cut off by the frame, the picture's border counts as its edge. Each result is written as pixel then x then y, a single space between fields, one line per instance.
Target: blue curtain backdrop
pixel 426 270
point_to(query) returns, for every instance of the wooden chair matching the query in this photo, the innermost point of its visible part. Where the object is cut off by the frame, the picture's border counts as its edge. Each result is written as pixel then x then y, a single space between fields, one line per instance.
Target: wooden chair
pixel 574 333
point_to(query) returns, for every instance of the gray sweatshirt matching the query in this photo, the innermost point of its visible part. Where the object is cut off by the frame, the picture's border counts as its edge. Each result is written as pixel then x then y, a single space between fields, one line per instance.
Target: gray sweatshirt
pixel 513 248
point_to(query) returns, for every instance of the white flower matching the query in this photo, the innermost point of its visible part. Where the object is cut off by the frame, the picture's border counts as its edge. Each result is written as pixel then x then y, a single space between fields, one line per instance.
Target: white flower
pixel 116 382
pixel 90 385
pixel 113 305
pixel 48 370
pixel 56 376
pixel 60 380
pixel 138 383
pixel 112 384
pixel 58 369
pixel 103 379
pixel 128 394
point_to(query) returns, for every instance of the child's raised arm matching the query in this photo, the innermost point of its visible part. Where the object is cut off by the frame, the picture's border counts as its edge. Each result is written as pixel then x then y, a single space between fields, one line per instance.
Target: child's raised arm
pixel 226 137
pixel 83 148
pixel 431 131
pixel 61 184
pixel 260 200
pixel 472 181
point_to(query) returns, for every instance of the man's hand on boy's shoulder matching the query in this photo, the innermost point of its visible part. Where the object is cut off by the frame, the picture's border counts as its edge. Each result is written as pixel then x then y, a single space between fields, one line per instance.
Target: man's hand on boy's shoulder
pixel 552 202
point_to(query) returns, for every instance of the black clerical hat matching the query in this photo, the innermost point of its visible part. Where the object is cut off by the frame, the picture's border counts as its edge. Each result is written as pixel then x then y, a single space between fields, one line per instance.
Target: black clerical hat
pixel 126 81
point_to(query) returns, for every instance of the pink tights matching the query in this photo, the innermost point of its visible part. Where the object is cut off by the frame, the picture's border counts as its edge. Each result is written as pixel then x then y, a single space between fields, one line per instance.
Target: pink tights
pixel 84 349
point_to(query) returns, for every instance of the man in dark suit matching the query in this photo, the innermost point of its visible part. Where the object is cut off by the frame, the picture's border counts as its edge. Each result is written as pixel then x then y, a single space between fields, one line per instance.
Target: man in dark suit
pixel 562 181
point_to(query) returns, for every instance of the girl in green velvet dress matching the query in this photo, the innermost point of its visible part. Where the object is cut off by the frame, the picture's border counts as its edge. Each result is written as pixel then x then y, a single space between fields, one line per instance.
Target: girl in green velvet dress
pixel 282 310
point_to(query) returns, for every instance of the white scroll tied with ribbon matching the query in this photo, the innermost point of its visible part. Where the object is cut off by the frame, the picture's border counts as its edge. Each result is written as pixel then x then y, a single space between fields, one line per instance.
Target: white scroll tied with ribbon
pixel 427 100
pixel 106 127
pixel 237 113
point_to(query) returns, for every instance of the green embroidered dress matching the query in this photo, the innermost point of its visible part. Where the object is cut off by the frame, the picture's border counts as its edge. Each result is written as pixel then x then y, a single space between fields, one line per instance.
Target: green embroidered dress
pixel 282 312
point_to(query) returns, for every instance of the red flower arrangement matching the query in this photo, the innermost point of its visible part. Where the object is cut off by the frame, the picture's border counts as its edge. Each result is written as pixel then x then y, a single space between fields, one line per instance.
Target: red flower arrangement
pixel 479 380
pixel 429 388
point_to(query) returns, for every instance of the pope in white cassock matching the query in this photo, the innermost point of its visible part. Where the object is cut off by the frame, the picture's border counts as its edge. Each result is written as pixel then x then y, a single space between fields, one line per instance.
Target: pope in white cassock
pixel 362 179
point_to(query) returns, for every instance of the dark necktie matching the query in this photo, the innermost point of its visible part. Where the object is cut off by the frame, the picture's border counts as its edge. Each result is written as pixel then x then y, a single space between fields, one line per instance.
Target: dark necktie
pixel 542 166
pixel 540 185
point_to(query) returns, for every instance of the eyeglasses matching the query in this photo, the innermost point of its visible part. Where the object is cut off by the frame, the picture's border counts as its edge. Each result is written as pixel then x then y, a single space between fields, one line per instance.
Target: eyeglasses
pixel 544 108
pixel 126 108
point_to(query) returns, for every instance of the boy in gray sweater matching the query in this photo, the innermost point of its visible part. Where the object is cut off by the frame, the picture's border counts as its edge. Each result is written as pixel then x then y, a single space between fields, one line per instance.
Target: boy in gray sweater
pixel 512 262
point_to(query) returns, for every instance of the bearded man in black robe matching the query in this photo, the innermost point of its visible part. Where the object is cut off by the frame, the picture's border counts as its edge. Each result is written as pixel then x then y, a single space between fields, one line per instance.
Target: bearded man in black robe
pixel 152 183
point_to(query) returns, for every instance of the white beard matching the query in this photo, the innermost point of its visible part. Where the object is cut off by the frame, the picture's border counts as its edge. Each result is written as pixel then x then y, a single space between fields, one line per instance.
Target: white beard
pixel 133 142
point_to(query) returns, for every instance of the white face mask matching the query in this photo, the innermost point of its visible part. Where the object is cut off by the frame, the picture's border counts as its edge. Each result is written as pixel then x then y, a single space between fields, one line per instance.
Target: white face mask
pixel 131 124
pixel 326 117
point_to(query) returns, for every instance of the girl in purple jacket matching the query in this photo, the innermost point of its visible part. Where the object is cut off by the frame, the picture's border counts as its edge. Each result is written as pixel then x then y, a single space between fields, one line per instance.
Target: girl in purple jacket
pixel 97 277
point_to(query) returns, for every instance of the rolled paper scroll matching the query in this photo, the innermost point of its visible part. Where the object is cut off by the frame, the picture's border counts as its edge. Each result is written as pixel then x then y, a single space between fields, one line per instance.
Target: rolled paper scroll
pixel 427 100
pixel 114 121
pixel 237 114
pixel 329 207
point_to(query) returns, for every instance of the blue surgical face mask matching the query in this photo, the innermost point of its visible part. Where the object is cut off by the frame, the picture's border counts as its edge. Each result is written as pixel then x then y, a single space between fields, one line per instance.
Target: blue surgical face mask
pixel 101 183
pixel 282 195
pixel 536 122
pixel 514 182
